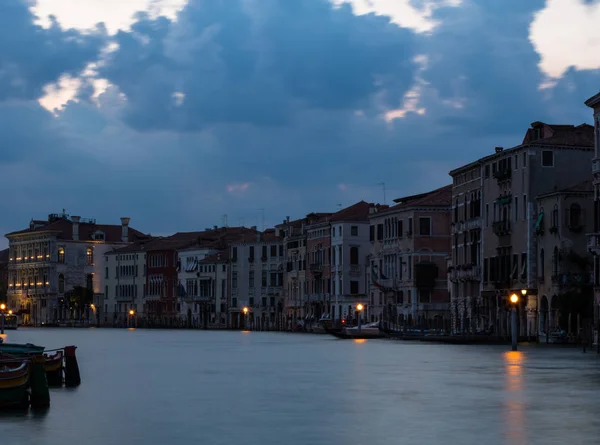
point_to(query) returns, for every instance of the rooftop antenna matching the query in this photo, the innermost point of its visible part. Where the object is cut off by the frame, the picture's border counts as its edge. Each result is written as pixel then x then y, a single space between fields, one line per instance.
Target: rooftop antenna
pixel 382 184
pixel 262 212
pixel 225 220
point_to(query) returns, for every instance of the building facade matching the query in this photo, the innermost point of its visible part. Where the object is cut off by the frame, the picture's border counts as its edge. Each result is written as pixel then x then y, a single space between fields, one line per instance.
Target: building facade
pixel 467 307
pixel 124 284
pixel 410 243
pixel 57 268
pixel 350 249
pixel 551 157
pixel 594 235
pixel 564 271
pixel 257 280
pixel 318 258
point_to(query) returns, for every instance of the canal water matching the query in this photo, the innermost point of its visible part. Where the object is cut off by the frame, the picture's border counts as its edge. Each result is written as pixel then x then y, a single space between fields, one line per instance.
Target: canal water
pixel 235 388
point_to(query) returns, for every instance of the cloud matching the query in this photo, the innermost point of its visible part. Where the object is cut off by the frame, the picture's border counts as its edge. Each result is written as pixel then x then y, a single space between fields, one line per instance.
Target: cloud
pixel 560 46
pixel 287 106
pixel 261 64
pixel 33 57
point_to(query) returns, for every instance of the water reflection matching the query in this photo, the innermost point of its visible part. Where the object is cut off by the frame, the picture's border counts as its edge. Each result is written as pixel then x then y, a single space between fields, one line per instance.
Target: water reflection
pixel 514 405
pixel 360 340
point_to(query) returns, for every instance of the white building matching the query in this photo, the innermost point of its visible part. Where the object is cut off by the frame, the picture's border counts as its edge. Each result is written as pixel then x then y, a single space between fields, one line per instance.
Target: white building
pixel 125 284
pixel 203 274
pixel 350 248
pixel 54 262
pixel 257 278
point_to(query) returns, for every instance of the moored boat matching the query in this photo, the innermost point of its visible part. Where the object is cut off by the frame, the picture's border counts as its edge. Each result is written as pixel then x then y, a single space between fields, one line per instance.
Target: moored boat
pixel 14 383
pixel 21 350
pixel 54 368
pixel 366 331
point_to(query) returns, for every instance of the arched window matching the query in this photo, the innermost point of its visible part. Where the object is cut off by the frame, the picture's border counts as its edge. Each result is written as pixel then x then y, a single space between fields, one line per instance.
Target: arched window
pixel 61 255
pixel 61 283
pixel 555 216
pixel 575 216
pixel 555 261
pixel 542 264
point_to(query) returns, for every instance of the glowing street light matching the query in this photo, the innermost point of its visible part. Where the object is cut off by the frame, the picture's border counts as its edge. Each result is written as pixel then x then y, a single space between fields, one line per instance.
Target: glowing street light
pixel 514 299
pixel 131 312
pixel 359 309
pixel 245 310
pixel 10 312
pixel 2 308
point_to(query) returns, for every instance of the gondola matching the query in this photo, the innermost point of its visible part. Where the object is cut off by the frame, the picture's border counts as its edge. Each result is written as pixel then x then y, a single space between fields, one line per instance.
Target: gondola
pixel 14 383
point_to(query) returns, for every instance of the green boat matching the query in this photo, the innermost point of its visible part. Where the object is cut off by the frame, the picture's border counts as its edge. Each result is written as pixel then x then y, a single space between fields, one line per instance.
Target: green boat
pixel 18 350
pixel 14 384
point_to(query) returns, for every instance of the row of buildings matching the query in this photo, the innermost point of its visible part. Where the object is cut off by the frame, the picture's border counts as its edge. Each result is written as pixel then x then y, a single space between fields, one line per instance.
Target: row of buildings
pixel 522 219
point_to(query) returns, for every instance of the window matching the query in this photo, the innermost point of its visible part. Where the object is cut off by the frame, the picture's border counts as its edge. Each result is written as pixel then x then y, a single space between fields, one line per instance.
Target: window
pixel 524 159
pixel 234 280
pixel 340 231
pixel 400 228
pixel 354 231
pixel 234 254
pixel 90 256
pixel 263 279
pixel 354 255
pixel 525 207
pixel 410 226
pixel 379 232
pixel 251 279
pixel 251 254
pixel 264 253
pixel 547 158
pixel 516 208
pixel 487 171
pixel 541 272
pixel 353 287
pixel 424 296
pixel 372 233
pixel 574 216
pixel 516 162
pixel 61 255
pixel 487 215
pixel 106 273
pixel 485 270
pixel 425 226
pixel 281 250
pixel 61 284
pixel 273 279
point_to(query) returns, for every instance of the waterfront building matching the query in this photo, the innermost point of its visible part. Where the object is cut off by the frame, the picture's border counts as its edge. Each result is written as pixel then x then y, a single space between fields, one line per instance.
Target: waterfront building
pixel 564 271
pixel 550 158
pixel 56 267
pixel 3 274
pixel 594 235
pixel 410 243
pixel 466 305
pixel 318 258
pixel 257 279
pixel 350 249
pixel 203 275
pixel 295 286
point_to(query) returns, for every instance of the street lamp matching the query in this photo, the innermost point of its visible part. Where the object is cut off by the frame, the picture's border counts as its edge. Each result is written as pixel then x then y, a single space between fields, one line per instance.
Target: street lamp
pixel 131 314
pixel 245 310
pixel 2 308
pixel 514 299
pixel 359 309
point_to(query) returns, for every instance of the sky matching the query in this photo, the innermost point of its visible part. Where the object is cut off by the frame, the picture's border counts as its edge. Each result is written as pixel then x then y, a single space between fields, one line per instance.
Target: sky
pixel 184 114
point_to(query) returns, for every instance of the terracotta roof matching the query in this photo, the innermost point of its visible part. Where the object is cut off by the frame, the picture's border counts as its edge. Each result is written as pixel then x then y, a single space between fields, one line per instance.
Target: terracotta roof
pixel 356 212
pixel 64 230
pixel 219 257
pixel 560 135
pixel 441 197
pixel 150 245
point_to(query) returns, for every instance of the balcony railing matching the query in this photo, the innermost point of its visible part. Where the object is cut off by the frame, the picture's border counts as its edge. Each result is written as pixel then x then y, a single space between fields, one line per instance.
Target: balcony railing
pixel 503 174
pixel 355 269
pixel 466 272
pixel 501 228
pixel 316 267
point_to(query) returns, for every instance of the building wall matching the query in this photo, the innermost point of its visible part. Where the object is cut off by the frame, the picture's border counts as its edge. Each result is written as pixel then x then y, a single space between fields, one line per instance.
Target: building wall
pixel 258 283
pixel 124 286
pixel 346 236
pixel 318 259
pixel 162 284
pixel 295 285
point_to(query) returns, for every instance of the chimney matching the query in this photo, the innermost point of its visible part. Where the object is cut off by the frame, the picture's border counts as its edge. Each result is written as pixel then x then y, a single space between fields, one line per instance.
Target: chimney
pixel 215 228
pixel 287 218
pixel 253 228
pixel 75 221
pixel 125 229
pixel 499 149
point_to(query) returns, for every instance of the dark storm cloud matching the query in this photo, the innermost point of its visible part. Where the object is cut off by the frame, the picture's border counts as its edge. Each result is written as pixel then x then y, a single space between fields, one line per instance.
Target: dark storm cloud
pixel 257 67
pixel 32 57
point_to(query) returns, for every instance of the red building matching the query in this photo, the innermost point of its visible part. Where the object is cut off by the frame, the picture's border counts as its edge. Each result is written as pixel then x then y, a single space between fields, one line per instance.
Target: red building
pixel 318 257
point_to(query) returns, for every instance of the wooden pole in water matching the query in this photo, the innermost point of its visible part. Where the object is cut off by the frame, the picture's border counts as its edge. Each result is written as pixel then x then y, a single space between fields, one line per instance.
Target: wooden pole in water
pixel 72 377
pixel 40 394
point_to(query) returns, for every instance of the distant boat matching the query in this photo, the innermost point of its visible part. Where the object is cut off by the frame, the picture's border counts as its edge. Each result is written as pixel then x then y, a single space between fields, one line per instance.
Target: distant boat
pixel 14 382
pixel 10 322
pixel 370 330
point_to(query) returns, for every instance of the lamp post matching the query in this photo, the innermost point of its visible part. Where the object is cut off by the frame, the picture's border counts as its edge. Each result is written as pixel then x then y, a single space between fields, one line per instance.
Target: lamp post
pixel 359 309
pixel 245 310
pixel 2 309
pixel 131 314
pixel 514 299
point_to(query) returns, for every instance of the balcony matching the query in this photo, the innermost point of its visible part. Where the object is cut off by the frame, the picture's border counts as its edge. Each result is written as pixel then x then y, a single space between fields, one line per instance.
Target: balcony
pixel 355 269
pixel 503 174
pixel 501 228
pixel 316 268
pixel 466 272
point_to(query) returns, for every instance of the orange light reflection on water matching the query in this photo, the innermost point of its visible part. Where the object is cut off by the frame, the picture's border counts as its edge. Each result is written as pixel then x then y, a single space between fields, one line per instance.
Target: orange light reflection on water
pixel 514 405
pixel 360 340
